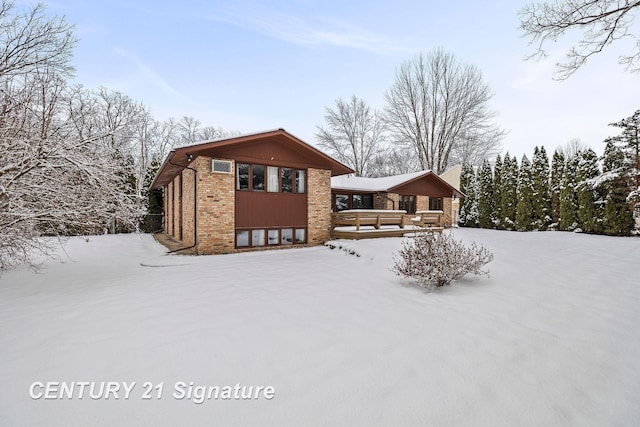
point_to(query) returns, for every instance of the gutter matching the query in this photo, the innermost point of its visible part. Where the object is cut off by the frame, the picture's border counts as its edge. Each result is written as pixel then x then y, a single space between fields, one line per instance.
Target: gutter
pixel 195 204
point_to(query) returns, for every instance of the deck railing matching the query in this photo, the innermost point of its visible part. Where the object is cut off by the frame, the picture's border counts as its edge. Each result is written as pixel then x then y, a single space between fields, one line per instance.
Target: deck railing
pixel 368 217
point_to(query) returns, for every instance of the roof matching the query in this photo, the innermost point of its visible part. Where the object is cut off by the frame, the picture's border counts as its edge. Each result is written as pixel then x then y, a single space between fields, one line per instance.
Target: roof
pixel 180 157
pixel 386 184
pixel 452 175
pixel 360 183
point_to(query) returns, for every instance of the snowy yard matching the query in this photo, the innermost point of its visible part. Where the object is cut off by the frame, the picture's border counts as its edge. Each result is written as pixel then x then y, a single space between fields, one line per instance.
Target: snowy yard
pixel 551 338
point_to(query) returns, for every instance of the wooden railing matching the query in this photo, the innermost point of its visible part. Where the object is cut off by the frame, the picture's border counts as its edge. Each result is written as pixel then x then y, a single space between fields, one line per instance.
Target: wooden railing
pixel 370 217
pixel 429 219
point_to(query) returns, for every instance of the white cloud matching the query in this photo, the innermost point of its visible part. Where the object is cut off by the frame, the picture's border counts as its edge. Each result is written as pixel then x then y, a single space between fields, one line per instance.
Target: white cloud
pixel 149 75
pixel 317 31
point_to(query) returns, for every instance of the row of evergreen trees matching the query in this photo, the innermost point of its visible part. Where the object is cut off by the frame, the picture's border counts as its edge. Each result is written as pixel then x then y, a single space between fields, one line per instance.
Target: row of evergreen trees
pixel 571 194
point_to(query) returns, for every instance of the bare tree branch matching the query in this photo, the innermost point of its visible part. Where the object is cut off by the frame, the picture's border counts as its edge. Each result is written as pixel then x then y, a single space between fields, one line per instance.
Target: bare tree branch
pixel 438 107
pixel 600 22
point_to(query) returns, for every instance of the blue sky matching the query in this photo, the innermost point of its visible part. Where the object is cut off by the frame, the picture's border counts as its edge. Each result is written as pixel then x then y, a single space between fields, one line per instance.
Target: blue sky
pixel 251 66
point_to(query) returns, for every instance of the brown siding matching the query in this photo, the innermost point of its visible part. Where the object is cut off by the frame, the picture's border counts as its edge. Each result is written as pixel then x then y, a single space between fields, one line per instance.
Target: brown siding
pixel 262 209
pixel 425 186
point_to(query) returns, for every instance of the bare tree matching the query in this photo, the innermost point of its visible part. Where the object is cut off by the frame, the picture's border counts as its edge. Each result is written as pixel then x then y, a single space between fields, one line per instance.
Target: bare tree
pixel 438 106
pixel 61 148
pixel 600 22
pixel 395 160
pixel 354 133
pixel 573 148
pixel 30 39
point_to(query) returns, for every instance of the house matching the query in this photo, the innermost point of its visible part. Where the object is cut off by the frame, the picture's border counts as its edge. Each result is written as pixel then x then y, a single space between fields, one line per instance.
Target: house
pixel 259 190
pixel 418 191
pixel 452 177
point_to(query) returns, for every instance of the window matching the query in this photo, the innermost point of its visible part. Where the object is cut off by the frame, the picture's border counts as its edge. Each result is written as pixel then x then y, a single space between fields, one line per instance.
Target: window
pixel 300 181
pixel 272 179
pixel 262 237
pixel 287 183
pixel 362 201
pixel 287 236
pixel 242 238
pixel 435 203
pixel 408 203
pixel 242 177
pixel 257 238
pixel 274 237
pixel 257 177
pixel 341 202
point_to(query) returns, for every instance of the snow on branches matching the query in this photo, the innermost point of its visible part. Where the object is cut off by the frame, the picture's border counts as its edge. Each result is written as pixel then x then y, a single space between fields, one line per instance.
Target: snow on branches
pixel 437 259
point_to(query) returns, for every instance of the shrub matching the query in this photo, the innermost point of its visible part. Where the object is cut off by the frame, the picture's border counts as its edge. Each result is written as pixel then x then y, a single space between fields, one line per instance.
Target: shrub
pixel 436 260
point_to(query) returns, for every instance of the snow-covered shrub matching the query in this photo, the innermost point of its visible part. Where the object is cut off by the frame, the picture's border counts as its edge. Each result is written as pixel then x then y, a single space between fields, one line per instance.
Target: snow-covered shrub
pixel 436 259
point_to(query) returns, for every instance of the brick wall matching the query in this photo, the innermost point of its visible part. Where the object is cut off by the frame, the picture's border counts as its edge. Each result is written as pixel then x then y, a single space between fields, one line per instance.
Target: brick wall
pixel 448 211
pixel 168 203
pixel 422 203
pixel 177 209
pixel 188 195
pixel 216 209
pixel 387 201
pixel 318 205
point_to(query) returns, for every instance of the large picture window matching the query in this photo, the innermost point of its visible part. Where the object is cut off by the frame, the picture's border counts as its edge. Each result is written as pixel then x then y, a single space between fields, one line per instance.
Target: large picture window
pixel 408 203
pixel 271 179
pixel 435 203
pixel 352 201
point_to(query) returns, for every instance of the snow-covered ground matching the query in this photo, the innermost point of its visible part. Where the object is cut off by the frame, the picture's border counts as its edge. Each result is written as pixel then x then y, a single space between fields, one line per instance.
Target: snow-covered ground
pixel 551 338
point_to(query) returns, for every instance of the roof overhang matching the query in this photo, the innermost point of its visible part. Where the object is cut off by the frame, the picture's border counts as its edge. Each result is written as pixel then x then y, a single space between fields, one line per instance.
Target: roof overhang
pixel 180 158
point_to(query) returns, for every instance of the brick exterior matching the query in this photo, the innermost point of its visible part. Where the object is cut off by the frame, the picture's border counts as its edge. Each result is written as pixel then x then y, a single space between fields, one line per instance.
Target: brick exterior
pixel 422 203
pixel 386 201
pixel 318 206
pixel 188 193
pixel 216 209
pixel 448 212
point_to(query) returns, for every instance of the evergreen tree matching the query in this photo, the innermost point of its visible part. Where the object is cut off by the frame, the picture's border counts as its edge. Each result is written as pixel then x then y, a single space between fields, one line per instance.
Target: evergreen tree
pixel 485 196
pixel 589 212
pixel 618 220
pixel 555 184
pixel 525 210
pixel 568 200
pixel 629 142
pixel 467 184
pixel 497 192
pixel 509 192
pixel 542 194
pixel 155 201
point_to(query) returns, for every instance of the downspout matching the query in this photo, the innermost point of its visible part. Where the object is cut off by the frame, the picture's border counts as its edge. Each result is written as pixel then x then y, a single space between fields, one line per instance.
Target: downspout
pixel 195 204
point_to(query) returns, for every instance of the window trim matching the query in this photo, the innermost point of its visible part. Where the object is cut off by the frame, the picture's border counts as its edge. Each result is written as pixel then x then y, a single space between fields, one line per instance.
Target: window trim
pixel 401 202
pixel 266 230
pixel 294 173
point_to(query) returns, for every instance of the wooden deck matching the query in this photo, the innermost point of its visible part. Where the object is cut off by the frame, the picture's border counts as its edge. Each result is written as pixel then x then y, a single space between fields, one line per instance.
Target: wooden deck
pixel 370 224
pixel 370 234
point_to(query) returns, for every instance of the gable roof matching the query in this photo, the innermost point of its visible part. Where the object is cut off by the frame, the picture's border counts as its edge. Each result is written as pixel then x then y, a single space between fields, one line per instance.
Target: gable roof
pixel 387 184
pixel 180 157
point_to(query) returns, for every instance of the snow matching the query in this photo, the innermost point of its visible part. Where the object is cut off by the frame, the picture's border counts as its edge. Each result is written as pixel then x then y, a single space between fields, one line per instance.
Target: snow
pixel 359 183
pixel 550 338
